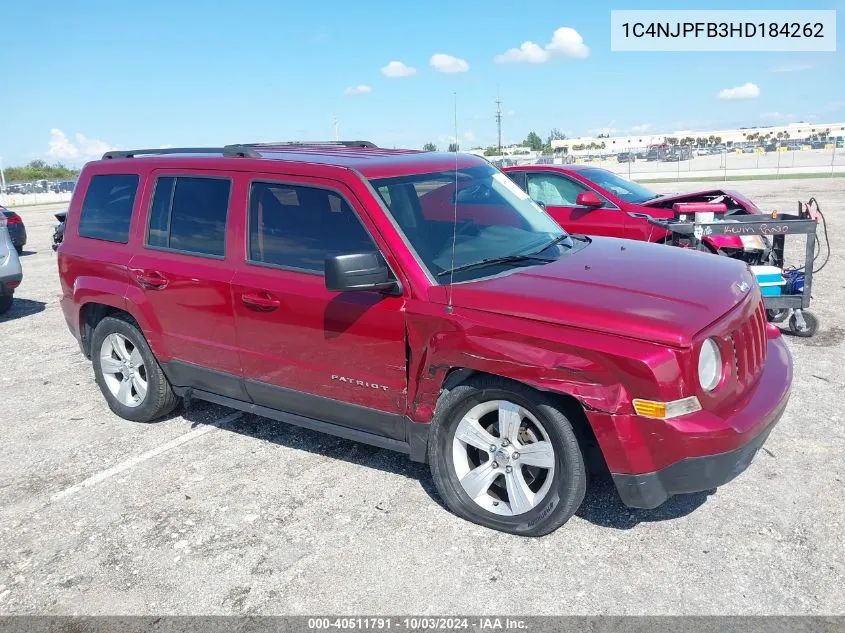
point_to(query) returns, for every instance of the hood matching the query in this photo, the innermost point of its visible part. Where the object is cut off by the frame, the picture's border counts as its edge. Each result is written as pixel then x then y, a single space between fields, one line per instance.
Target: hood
pixel 636 289
pixel 701 196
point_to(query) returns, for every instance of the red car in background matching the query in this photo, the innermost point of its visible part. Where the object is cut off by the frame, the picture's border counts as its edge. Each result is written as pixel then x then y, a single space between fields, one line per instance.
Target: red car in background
pixel 594 201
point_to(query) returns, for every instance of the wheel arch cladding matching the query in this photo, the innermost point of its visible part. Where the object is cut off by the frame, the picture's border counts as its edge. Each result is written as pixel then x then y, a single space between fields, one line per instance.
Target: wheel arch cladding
pixel 92 312
pixel 566 403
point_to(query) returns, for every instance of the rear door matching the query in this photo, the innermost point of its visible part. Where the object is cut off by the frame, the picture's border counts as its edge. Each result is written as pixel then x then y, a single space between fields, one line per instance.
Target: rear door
pixel 185 272
pixel 332 356
pixel 559 192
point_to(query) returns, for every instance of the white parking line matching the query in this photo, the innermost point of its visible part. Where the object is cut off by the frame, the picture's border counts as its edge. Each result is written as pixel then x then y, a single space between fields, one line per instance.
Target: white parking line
pixel 139 459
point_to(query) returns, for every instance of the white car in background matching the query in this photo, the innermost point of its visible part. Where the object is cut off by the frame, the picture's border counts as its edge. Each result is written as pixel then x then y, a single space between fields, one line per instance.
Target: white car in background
pixel 10 268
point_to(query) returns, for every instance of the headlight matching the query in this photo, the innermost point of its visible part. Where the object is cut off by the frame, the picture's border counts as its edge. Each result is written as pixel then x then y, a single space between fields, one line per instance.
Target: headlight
pixel 709 365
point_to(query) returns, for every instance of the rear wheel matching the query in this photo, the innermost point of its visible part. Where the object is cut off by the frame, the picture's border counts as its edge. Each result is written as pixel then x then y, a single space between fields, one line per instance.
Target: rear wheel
pixel 504 456
pixel 6 303
pixel 127 372
pixel 778 315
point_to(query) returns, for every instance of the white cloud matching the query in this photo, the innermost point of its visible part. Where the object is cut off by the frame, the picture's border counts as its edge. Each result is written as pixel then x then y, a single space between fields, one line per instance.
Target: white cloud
pixel 568 42
pixel 528 52
pixel 642 127
pixel 565 42
pixel 398 69
pixel 790 68
pixel 61 147
pixel 776 116
pixel 745 91
pixel 360 89
pixel 469 136
pixel 448 64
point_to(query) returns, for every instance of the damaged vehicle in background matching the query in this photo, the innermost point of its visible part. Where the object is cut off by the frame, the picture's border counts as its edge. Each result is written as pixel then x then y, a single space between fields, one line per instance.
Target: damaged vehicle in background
pixel 594 201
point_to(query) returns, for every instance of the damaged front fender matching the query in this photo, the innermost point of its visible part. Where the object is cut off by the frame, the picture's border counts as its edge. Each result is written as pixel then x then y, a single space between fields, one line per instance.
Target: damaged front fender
pixel 603 372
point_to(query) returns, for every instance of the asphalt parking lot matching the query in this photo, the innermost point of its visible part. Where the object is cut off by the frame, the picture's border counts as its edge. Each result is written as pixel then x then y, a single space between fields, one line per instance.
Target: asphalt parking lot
pixel 214 512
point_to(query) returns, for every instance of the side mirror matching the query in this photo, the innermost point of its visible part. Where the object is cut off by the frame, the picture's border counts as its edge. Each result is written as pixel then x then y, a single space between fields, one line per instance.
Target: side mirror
pixel 359 271
pixel 589 199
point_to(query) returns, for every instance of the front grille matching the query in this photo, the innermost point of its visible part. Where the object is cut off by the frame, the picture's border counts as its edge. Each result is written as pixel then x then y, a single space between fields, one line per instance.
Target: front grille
pixel 749 346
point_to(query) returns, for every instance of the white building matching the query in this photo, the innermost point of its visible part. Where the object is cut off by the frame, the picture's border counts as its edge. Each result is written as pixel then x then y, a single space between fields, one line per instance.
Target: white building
pixel 615 144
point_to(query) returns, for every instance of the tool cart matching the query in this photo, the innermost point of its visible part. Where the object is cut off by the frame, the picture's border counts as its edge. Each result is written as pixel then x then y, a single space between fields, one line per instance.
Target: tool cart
pixel 794 298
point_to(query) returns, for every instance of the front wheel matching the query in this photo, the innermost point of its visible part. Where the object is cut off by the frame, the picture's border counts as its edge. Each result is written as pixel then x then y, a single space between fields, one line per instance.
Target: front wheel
pixel 504 456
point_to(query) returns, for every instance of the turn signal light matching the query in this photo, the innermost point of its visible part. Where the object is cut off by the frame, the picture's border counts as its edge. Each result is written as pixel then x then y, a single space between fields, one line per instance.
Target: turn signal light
pixel 666 410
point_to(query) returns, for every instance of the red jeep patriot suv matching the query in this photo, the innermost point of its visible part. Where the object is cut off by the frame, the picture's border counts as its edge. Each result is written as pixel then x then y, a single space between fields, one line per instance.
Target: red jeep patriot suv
pixel 419 302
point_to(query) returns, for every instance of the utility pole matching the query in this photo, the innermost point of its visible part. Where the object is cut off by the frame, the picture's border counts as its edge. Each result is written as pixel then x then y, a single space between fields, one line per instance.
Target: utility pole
pixel 499 120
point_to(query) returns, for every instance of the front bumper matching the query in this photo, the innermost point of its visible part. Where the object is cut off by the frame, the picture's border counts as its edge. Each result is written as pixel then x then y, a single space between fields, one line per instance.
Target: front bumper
pixel 651 460
pixel 691 474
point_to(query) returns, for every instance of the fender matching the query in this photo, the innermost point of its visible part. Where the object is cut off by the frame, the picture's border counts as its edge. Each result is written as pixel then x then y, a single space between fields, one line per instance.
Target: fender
pixel 121 295
pixel 580 363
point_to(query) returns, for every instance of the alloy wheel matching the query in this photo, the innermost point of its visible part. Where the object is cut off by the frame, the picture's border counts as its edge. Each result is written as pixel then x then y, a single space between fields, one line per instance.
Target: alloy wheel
pixel 503 457
pixel 123 370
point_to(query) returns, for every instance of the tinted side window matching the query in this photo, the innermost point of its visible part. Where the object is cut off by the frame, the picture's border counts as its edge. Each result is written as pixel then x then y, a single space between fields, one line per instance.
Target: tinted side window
pixel 107 208
pixel 188 213
pixel 298 227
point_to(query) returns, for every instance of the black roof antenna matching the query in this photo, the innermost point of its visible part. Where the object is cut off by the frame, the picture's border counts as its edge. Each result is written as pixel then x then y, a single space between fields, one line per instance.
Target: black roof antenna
pixel 455 213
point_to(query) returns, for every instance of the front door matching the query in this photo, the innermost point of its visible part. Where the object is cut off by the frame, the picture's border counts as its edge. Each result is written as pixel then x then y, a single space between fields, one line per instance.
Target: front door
pixel 337 357
pixel 559 193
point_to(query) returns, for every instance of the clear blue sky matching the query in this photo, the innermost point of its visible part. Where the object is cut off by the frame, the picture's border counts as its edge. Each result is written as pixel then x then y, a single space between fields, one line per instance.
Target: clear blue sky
pixel 154 73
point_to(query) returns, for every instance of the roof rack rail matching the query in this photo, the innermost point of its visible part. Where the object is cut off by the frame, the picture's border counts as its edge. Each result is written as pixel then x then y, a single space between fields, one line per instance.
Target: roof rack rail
pixel 228 150
pixel 362 144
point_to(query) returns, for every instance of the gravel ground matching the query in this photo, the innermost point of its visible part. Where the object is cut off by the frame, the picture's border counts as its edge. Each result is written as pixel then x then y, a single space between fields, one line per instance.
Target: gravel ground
pixel 213 512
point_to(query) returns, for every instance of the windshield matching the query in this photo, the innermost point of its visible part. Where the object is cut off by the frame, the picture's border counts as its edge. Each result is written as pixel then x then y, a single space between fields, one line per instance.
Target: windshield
pixel 495 219
pixel 618 186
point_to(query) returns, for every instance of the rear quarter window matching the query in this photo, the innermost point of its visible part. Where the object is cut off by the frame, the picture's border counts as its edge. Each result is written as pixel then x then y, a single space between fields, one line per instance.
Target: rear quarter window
pixel 107 207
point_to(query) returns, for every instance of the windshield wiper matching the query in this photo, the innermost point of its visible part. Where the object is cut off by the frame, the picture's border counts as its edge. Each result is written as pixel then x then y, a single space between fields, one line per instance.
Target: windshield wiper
pixel 551 243
pixel 493 261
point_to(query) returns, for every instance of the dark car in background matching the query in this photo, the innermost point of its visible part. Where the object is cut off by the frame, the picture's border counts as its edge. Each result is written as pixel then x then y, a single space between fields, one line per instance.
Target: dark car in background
pixel 17 230
pixel 627 157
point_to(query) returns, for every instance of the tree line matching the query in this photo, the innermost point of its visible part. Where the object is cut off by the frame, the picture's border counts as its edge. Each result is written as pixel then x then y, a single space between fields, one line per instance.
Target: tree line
pixel 39 170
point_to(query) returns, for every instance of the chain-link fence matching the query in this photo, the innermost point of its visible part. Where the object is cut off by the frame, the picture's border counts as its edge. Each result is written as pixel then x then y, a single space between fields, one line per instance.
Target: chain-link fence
pixel 666 163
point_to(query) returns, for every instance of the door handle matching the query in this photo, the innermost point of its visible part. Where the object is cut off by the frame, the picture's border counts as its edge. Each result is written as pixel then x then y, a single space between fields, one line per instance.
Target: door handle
pixel 151 279
pixel 260 301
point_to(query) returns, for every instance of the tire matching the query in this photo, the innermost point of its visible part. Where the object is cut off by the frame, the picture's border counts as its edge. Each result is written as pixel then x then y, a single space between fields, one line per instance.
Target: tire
pixel 19 249
pixel 6 303
pixel 138 367
pixel 556 493
pixel 811 324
